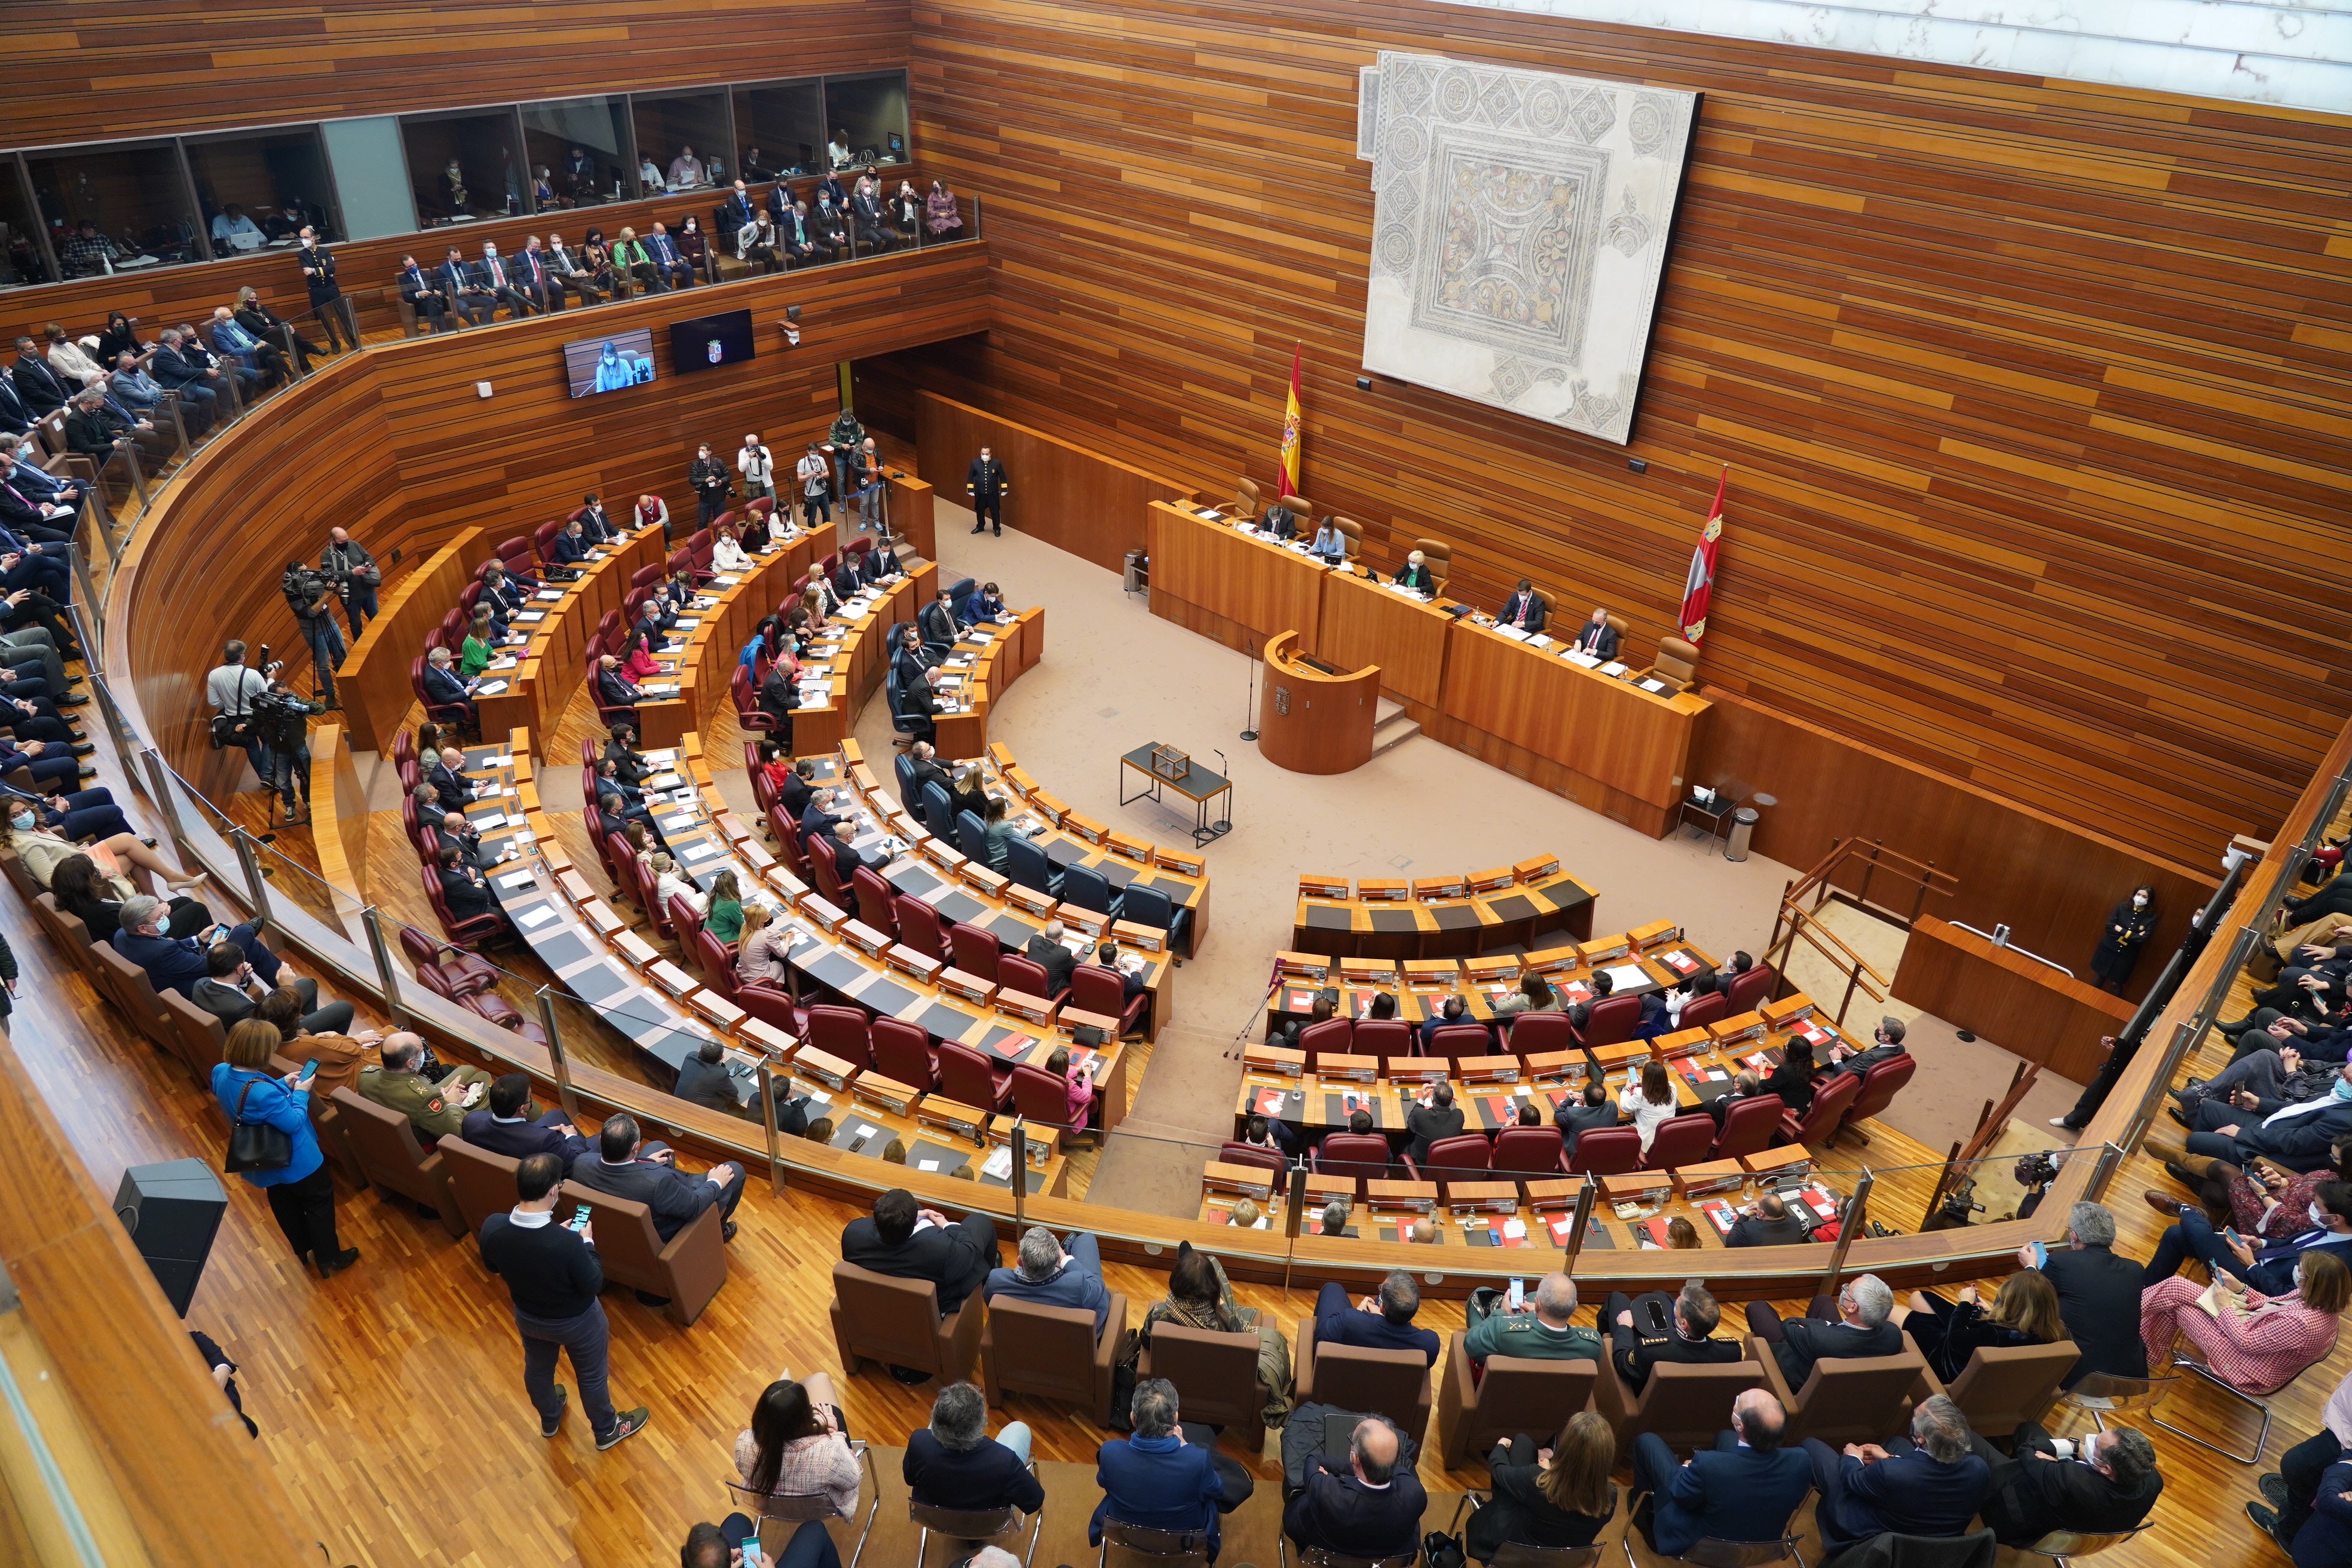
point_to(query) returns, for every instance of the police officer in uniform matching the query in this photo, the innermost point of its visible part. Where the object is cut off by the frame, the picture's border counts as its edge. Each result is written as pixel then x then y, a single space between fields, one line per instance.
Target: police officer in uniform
pixel 1656 1327
pixel 985 483
pixel 326 295
pixel 434 1110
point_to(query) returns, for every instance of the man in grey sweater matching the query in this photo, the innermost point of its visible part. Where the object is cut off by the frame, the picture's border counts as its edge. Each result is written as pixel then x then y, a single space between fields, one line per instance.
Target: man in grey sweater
pixel 1052 1276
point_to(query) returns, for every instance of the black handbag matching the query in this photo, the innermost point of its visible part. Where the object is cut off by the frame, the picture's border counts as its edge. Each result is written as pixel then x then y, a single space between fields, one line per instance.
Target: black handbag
pixel 256 1145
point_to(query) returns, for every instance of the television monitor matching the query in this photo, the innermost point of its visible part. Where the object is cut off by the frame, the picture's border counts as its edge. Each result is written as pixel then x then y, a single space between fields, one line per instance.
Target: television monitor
pixel 609 363
pixel 706 342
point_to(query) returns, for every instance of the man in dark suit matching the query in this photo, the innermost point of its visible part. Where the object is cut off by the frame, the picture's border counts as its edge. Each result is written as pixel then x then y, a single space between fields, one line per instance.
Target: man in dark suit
pixel 1155 1479
pixel 907 1243
pixel 464 290
pixel 1886 1044
pixel 1860 1329
pixel 177 369
pixel 845 579
pixel 505 1126
pixel 1060 963
pixel 986 483
pixel 1927 1486
pixel 2299 1137
pixel 327 304
pixel 735 211
pixel 669 260
pixel 1369 1507
pixel 1452 1010
pixel 1381 1322
pixel 954 1463
pixel 497 278
pixel 2098 1294
pixel 703 1079
pixel 1523 610
pixel 570 546
pixel 923 767
pixel 1767 1222
pixel 1597 636
pixel 231 991
pixel 450 785
pixel 848 858
pixel 1746 1488
pixel 1654 1328
pixel 817 816
pixel 2100 1483
pixel 1425 1125
pixel 466 893
pixel 937 623
pixel 626 1167
pixel 615 690
pixel 176 963
pixel 414 284
pixel 43 389
pixel 1592 1108
pixel 443 687
pixel 2268 1270
pixel 1416 576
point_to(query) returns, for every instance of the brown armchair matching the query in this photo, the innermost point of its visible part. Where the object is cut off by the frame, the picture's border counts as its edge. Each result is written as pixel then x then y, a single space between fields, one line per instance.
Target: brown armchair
pixel 1394 1384
pixel 1246 501
pixel 1676 665
pixel 2000 1388
pixel 688 1269
pixel 482 1183
pixel 1518 1393
pixel 898 1324
pixel 1853 1399
pixel 1051 1352
pixel 386 1146
pixel 1683 1403
pixel 1216 1376
pixel 128 984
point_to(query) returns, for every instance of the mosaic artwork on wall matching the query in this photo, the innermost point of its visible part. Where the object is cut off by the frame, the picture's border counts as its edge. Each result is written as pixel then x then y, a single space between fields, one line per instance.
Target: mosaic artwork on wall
pixel 1519 233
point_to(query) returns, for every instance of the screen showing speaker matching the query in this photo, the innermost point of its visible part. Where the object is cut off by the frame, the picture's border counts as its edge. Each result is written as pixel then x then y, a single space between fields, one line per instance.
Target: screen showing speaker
pixel 608 364
pixel 709 340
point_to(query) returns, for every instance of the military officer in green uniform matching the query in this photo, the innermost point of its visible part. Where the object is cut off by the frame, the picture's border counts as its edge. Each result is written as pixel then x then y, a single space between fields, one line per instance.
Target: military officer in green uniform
pixel 434 1110
pixel 1539 1330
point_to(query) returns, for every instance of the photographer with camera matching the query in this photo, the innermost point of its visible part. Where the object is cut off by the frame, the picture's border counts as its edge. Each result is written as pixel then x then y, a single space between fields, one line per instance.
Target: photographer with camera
pixel 355 576
pixel 283 719
pixel 230 688
pixel 308 593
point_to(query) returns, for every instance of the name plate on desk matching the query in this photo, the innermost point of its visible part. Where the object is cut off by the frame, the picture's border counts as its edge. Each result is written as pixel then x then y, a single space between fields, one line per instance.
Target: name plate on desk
pixel 1418 1069
pixel 1147 939
pixel 971 987
pixel 922 966
pixel 1237 1180
pixel 1605 950
pixel 1503 968
pixel 1086 827
pixel 829 1070
pixel 1369 971
pixel 886 1094
pixel 1428 888
pixel 1029 899
pixel 1277 1060
pixel 1553 961
pixel 1554 1194
pixel 952 1117
pixel 1348 1068
pixel 1410 1197
pixel 1481 1197
pixel 671 978
pixel 1786 1013
pixel 1432 974
pixel 1682 1043
pixel 1309 966
pixel 1657 934
pixel 1536 868
pixel 717 1008
pixel 1487 1069
pixel 1781 1167
pixel 1555 1067
pixel 865 938
pixel 1020 1004
pixel 1736 1029
pixel 1714 1176
pixel 822 913
pixel 1176 860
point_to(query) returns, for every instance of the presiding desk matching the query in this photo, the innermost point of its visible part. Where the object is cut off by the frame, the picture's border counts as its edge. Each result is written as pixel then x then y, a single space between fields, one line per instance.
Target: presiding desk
pixel 1312 722
pixel 1507 698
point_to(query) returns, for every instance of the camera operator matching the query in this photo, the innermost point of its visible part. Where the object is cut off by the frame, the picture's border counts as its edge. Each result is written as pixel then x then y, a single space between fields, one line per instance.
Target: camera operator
pixel 356 577
pixel 283 719
pixel 308 593
pixel 231 687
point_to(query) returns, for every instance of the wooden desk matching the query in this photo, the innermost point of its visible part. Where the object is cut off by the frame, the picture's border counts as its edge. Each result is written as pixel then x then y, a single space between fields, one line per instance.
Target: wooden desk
pixel 1407 635
pixel 1074 839
pixel 861 656
pixel 1444 928
pixel 551 668
pixel 1212 578
pixel 2023 1006
pixel 374 681
pixel 1310 723
pixel 993 657
pixel 1611 746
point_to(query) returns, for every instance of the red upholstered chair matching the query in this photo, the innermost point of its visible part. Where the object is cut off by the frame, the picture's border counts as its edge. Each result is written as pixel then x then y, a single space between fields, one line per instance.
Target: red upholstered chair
pixel 404 756
pixel 1705 1009
pixel 656 908
pixel 684 923
pixel 1026 976
pixel 645 576
pixel 1363 1155
pixel 1747 1126
pixel 450 972
pixel 1606 1152
pixel 1454 1041
pixel 1043 1096
pixel 773 1006
pixel 974 950
pixel 787 835
pixel 1833 1096
pixel 1464 1157
pixel 1531 1152
pixel 749 714
pixel 493 1008
pixel 840 1032
pixel 1383 1037
pixel 1332 1037
pixel 1251 1154
pixel 903 1051
pixel 823 872
pixel 622 861
pixel 874 900
pixel 1532 1033
pixel 1747 992
pixel 458 714
pixel 1093 989
pixel 1879 1087
pixel 1612 1020
pixel 967 1077
pixel 716 962
pixel 1679 1140
pixel 515 554
pixel 480 928
pixel 920 926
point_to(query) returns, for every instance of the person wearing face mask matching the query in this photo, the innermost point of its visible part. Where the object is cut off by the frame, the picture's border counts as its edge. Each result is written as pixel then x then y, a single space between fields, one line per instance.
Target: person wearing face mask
pixel 452 181
pixel 2129 925
pixel 42 833
pixel 2267 1268
pixel 2298 1137
pixel 497 277
pixel 327 301
pixel 2257 1348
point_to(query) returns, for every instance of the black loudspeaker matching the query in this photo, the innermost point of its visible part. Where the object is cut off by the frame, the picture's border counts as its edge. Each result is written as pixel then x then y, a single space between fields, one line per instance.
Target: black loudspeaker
pixel 173 1211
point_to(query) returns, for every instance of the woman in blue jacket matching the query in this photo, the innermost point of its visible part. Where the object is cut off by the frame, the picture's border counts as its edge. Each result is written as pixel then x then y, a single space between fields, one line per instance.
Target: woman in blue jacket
pixel 302 1193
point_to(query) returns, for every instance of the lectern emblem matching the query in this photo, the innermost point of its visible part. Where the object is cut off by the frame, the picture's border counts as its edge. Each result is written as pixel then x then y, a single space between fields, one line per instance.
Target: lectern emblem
pixel 1282 700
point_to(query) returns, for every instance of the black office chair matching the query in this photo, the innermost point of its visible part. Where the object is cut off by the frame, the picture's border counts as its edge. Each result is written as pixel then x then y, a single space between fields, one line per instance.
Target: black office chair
pixel 1090 889
pixel 1152 907
pixel 1027 865
pixel 939 812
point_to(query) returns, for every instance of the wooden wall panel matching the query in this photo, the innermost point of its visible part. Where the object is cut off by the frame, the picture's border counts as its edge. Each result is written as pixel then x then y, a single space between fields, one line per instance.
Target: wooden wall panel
pixel 93 70
pixel 395 445
pixel 2034 391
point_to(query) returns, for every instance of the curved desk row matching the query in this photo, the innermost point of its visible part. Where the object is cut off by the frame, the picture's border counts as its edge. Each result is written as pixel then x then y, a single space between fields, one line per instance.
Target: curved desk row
pixel 1073 839
pixel 1441 917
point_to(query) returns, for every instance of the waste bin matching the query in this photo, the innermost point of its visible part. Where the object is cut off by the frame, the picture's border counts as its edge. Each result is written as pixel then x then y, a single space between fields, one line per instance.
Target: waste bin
pixel 1138 571
pixel 1743 828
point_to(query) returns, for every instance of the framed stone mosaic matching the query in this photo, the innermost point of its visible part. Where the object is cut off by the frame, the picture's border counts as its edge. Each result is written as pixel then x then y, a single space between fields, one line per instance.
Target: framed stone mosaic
pixel 1521 221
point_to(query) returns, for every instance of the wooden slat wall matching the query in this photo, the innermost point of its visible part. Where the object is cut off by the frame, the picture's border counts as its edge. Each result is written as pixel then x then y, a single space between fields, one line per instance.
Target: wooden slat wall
pixel 396 446
pixel 91 69
pixel 2035 391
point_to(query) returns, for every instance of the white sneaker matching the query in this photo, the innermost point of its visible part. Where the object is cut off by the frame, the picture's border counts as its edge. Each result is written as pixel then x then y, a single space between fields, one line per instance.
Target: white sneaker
pixel 2063 1446
pixel 2059 1121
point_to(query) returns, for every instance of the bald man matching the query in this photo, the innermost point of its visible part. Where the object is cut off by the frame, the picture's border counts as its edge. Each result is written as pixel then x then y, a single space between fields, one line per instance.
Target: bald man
pixel 1367 1505
pixel 1597 636
pixel 1744 1488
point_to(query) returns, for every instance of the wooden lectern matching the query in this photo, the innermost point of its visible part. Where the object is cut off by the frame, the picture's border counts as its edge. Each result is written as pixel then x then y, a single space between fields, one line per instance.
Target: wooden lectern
pixel 1310 723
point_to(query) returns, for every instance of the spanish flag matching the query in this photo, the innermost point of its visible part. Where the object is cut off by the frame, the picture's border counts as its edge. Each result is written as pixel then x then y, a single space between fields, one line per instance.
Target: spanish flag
pixel 1288 462
pixel 1698 587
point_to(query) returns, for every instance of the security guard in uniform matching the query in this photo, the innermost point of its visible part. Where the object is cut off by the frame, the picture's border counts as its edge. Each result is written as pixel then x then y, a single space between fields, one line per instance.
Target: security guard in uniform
pixel 1541 1329
pixel 1654 1327
pixel 434 1110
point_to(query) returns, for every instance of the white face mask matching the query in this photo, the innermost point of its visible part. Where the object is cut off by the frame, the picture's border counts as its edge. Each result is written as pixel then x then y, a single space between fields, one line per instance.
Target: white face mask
pixel 2318 1217
pixel 23 821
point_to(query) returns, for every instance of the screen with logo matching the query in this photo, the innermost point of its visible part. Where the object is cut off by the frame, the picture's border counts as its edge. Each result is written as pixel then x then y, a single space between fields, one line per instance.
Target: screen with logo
pixel 708 340
pixel 607 365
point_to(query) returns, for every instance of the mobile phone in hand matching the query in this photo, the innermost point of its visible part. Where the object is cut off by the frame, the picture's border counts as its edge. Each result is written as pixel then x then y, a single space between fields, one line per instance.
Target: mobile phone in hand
pixel 579 1220
pixel 1519 1296
pixel 309 1071
pixel 751 1558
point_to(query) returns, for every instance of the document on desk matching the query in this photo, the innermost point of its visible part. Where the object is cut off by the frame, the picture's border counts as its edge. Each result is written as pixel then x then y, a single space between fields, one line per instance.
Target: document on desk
pixel 1612 668
pixel 549 594
pixel 490 689
pixel 1539 639
pixel 1585 660
pixel 514 879
pixel 532 616
pixel 1625 976
pixel 1515 634
pixel 532 919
